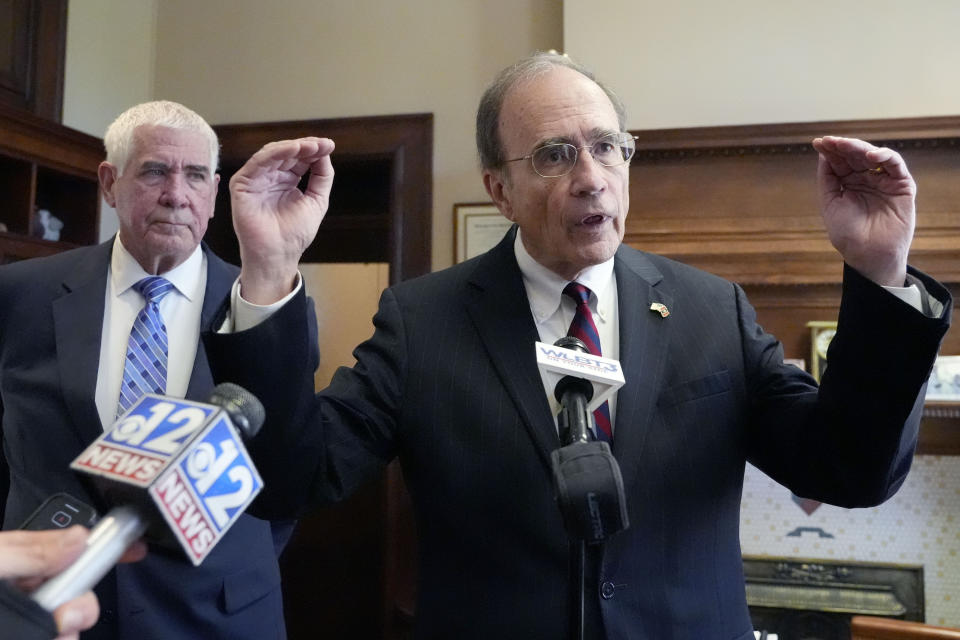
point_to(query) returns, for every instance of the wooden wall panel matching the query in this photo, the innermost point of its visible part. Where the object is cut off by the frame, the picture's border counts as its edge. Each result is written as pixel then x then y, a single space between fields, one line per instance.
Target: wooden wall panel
pixel 741 202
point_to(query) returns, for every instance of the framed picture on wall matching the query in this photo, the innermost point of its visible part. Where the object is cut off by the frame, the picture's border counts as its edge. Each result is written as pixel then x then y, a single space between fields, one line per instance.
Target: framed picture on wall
pixel 477 228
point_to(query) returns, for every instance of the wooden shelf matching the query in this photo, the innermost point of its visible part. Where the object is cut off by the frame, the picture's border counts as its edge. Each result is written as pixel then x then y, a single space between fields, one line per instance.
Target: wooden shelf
pixel 44 165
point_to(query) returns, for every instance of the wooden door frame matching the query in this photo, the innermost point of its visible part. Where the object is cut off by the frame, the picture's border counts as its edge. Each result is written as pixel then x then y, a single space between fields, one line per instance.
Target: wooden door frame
pixel 406 142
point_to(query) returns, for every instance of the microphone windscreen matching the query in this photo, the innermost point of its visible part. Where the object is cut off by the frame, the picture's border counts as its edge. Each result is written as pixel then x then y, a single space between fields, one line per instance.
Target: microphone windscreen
pixel 569 342
pixel 246 412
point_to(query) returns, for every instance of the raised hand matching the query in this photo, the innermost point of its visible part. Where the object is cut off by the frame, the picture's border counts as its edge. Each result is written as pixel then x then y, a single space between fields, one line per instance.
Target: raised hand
pixel 867 202
pixel 274 221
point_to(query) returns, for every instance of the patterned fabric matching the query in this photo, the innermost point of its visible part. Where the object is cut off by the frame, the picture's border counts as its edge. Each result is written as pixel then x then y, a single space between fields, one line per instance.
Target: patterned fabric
pixel 584 328
pixel 145 369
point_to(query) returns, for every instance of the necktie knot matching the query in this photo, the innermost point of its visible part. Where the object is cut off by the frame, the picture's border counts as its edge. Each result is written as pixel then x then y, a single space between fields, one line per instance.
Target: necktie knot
pixel 153 288
pixel 577 291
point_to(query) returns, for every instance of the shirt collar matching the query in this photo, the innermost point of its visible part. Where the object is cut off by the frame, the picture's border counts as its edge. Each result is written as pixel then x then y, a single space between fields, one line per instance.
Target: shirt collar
pixel 545 288
pixel 125 271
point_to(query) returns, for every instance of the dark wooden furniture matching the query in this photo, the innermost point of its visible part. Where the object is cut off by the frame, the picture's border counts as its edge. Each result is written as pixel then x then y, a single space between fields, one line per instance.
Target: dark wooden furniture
pixel 44 165
pixel 741 202
pixel 871 628
pixel 34 33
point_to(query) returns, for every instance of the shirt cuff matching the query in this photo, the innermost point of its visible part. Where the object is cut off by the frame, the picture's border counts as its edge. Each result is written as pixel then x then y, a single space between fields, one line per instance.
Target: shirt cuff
pixel 245 315
pixel 916 295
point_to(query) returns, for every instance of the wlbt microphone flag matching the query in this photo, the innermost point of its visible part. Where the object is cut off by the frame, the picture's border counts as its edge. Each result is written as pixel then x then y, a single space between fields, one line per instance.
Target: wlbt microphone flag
pixel 179 473
pixel 605 374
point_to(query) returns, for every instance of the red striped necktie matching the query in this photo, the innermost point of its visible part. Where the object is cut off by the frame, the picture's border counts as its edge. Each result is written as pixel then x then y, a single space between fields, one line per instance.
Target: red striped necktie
pixel 584 328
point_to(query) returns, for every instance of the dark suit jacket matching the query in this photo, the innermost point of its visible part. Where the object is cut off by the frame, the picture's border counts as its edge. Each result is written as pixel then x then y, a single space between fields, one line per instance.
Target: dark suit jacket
pixel 51 316
pixel 449 383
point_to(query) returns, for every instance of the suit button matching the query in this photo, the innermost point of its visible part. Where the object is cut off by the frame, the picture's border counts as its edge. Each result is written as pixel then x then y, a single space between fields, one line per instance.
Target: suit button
pixel 606 590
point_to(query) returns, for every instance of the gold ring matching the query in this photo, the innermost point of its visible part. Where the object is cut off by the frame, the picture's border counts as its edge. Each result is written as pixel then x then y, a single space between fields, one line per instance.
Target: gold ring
pixel 877 170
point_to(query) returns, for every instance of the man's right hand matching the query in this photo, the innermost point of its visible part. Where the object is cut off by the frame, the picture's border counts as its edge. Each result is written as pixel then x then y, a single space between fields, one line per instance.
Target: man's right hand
pixel 27 558
pixel 274 221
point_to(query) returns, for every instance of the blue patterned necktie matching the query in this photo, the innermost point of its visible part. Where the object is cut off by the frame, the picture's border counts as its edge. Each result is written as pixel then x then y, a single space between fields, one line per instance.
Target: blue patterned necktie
pixel 583 327
pixel 145 368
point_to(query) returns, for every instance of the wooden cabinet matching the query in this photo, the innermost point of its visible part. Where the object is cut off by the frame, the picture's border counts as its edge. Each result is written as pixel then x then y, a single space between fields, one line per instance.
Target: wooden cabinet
pixel 44 165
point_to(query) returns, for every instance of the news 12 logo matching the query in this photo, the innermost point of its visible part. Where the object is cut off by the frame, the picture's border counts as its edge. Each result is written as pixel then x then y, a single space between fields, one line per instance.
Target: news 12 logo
pixel 144 440
pixel 190 459
pixel 207 488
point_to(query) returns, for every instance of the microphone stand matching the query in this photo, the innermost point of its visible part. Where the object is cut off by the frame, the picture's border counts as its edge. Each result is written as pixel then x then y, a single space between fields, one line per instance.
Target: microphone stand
pixel 574 424
pixel 588 483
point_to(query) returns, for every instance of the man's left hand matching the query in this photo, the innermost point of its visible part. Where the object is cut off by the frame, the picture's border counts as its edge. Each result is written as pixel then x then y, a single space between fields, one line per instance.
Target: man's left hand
pixel 274 220
pixel 867 202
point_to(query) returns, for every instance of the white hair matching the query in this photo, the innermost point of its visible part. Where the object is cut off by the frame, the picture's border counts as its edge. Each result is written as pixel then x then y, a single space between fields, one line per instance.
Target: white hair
pixel 118 139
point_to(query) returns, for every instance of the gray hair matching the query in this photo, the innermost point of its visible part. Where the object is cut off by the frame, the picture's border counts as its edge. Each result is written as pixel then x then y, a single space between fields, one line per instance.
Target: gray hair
pixel 118 139
pixel 488 114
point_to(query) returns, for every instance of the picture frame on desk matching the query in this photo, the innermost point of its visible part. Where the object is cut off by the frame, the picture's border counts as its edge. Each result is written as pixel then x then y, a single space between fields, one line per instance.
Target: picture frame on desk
pixel 821 333
pixel 478 227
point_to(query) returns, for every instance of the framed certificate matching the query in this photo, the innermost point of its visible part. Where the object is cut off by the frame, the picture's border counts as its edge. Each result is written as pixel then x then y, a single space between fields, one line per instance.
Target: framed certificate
pixel 477 228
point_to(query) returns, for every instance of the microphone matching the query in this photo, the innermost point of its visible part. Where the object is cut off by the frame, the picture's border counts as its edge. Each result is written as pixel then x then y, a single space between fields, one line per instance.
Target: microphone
pixel 573 394
pixel 178 471
pixel 559 360
pixel 587 478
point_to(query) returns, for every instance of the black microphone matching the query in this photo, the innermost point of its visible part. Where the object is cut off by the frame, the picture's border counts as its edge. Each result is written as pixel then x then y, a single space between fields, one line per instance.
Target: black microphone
pixel 586 475
pixel 573 394
pixel 180 475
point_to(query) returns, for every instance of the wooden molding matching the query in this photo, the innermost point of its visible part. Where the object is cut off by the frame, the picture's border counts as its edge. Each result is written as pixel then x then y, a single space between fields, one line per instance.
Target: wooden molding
pixel 741 202
pixel 34 139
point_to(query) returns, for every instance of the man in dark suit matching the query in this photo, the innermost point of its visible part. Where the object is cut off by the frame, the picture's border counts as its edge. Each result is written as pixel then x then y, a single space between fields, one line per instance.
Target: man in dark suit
pixel 449 383
pixel 65 323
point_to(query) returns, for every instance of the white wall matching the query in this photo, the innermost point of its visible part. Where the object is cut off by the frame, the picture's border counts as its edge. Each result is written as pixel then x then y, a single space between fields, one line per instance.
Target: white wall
pixel 109 67
pixel 697 63
pixel 685 63
pixel 248 60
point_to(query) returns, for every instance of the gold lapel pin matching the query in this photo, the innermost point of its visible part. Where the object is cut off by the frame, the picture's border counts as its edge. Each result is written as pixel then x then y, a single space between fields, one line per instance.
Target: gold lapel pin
pixel 660 308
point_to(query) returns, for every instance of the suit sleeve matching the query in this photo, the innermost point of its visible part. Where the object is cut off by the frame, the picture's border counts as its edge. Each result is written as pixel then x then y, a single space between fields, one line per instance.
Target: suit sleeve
pixel 314 448
pixel 851 442
pixel 22 618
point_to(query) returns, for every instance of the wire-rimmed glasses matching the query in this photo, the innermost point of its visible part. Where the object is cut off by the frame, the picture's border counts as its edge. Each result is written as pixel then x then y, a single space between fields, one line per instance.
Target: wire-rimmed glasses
pixel 558 159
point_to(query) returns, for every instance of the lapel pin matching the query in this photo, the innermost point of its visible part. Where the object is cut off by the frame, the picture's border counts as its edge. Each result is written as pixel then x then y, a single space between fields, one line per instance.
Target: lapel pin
pixel 660 308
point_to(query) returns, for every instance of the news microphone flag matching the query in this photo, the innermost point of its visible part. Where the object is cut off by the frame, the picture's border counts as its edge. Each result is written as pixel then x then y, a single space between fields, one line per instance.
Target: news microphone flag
pixel 180 459
pixel 605 374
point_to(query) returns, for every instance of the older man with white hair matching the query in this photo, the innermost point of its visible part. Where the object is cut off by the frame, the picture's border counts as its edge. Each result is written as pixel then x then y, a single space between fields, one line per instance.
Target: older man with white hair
pixel 72 358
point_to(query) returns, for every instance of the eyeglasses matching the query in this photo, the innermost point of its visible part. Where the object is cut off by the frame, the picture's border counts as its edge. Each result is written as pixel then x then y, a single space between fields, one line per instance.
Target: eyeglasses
pixel 557 160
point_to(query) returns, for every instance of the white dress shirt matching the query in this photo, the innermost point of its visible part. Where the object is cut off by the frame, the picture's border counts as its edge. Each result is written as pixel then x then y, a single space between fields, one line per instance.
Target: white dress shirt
pixel 553 312
pixel 180 310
